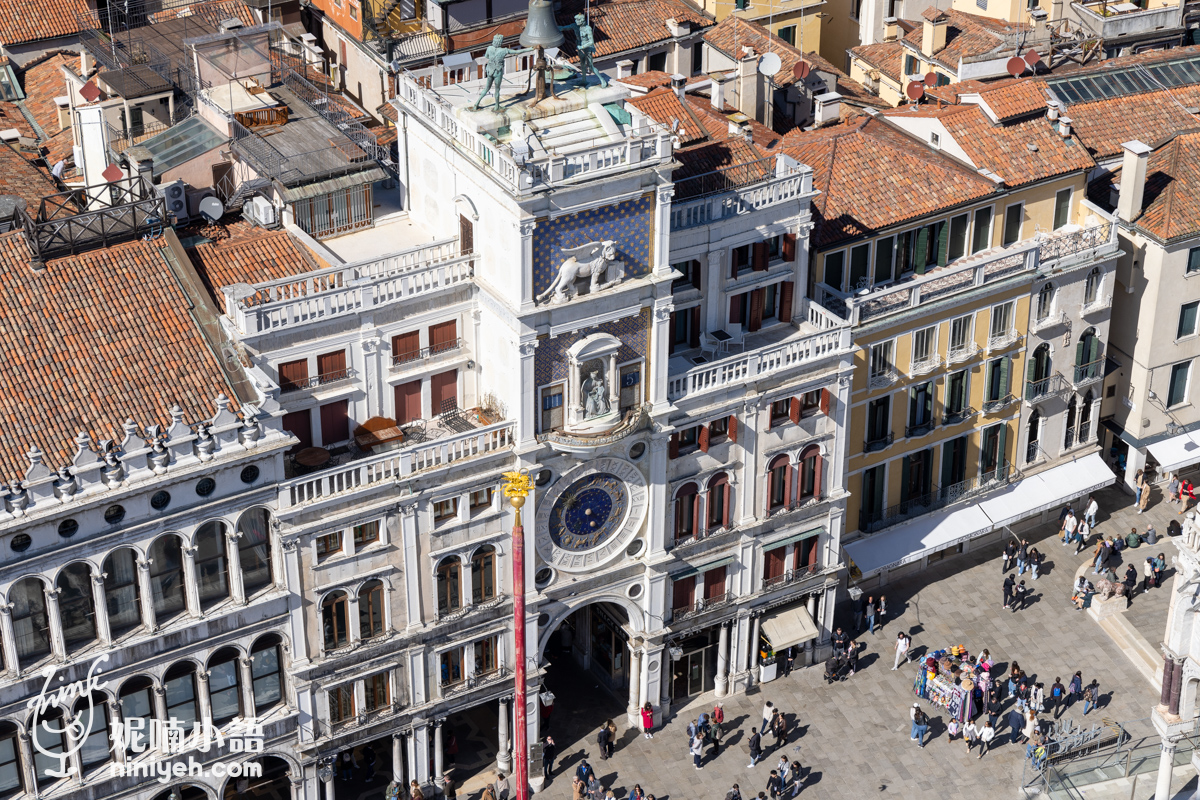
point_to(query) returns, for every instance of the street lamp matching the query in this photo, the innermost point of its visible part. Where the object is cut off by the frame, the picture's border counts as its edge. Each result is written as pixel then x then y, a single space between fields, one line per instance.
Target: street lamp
pixel 517 485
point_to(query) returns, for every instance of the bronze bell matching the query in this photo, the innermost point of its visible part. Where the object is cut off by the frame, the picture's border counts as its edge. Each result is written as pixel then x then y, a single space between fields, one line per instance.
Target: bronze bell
pixel 541 29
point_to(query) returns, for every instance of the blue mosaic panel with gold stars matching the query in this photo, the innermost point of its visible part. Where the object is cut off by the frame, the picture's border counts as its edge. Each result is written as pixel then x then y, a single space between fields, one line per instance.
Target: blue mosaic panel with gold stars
pixel 588 512
pixel 629 224
pixel 550 358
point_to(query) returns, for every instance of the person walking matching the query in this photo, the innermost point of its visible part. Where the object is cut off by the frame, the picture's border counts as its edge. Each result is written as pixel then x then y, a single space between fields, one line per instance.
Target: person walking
pixel 902 643
pixel 734 794
pixel 602 741
pixel 852 656
pixel 839 640
pixel 970 734
pixel 584 771
pixel 1010 555
pixel 1069 526
pixel 774 785
pixel 882 612
pixel 768 714
pixel 755 743
pixel 797 779
pixel 1089 513
pixel 1035 561
pixel 1016 720
pixel 1173 490
pixel 1058 694
pixel 648 721
pixel 1081 534
pixel 1022 556
pixel 1091 696
pixel 860 610
pixel 783 768
pixel 1074 689
pixel 697 750
pixel 1031 725
pixel 1160 567
pixel 1147 574
pixel 780 729
pixel 1130 582
pixel 1187 496
pixel 985 737
pixel 993 706
pixel 1018 598
pixel 921 724
pixel 1143 490
pixel 549 751
pixel 871 615
pixel 718 719
pixel 1009 583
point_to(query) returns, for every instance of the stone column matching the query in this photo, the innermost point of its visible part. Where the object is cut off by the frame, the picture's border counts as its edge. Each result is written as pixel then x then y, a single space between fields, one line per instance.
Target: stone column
pixel 811 646
pixel 1176 688
pixel 1168 679
pixel 115 718
pixel 73 762
pixel 412 564
pixel 146 595
pixel 527 414
pixel 503 759
pixel 330 782
pixel 748 442
pixel 614 382
pixel 29 771
pixel 234 556
pixel 103 629
pixel 419 752
pixel 245 665
pixel 659 501
pixel 525 228
pixel 723 661
pixel 8 639
pixel 1166 766
pixel 205 700
pixel 297 788
pixel 398 758
pixel 635 683
pixel 160 702
pixel 752 664
pixel 57 644
pixel 662 230
pixel 191 591
pixel 714 299
pixel 439 769
pixel 296 620
pixel 660 353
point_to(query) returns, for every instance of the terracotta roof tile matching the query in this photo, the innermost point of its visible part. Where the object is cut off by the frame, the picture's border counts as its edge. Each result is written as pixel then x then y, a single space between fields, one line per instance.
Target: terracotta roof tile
pixel 951 93
pixel 1171 202
pixel 968 35
pixel 883 56
pixel 656 78
pixel 733 33
pixel 620 26
pixel 11 117
pixel 663 106
pixel 1151 117
pixel 21 178
pixel 248 255
pixel 213 12
pixel 1015 98
pixel 857 164
pixel 933 14
pixel 91 341
pixel 1005 148
pixel 43 82
pixel 23 21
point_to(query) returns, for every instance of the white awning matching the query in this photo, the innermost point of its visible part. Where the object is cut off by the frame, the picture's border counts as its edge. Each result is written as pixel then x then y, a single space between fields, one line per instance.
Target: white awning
pixel 911 540
pixel 1177 452
pixel 1047 490
pixel 789 626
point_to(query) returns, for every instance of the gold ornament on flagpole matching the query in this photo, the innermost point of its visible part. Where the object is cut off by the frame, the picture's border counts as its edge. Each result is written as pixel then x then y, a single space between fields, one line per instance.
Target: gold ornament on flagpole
pixel 517 484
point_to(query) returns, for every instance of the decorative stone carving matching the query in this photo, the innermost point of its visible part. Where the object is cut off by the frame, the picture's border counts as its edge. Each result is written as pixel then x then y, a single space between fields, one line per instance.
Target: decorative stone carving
pixel 588 261
pixel 593 392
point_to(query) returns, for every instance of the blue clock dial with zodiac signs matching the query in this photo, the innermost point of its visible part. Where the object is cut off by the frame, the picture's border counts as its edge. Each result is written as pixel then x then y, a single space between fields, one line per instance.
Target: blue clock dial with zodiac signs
pixel 588 512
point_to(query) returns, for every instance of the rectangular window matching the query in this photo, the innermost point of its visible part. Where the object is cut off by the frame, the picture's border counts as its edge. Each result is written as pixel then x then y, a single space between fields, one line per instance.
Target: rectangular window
pixel 406 347
pixel 982 237
pixel 881 359
pixel 452 667
pixel 834 264
pixel 332 366
pixel 443 337
pixel 960 334
pixel 1013 216
pixel 991 456
pixel 958 238
pixel 689 439
pixel 879 418
pixel 1187 319
pixel 1002 319
pixel 656 62
pixel 1178 390
pixel 741 260
pixel 698 58
pixel 366 534
pixel 920 404
pixel 788 34
pixel 485 655
pixel 552 408
pixel 997 378
pixel 1062 208
pixel 445 509
pixel 770 295
pixel 883 259
pixel 956 393
pixel 781 411
pixel 904 253
pixel 378 692
pixel 924 345
pixel 860 264
pixel 481 498
pixel 689 276
pixel 341 703
pixel 718 430
pixel 329 544
pixel 910 65
pixel 1193 264
pixel 293 375
pixel 353 11
pixel 810 403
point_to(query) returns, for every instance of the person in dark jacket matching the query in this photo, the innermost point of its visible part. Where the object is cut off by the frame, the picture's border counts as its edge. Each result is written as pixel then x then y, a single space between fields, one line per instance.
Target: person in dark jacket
pixel 1131 578
pixel 1009 583
pixel 860 610
pixel 1010 555
pixel 604 740
pixel 993 706
pixel 774 784
pixel 584 771
pixel 549 751
pixel 755 743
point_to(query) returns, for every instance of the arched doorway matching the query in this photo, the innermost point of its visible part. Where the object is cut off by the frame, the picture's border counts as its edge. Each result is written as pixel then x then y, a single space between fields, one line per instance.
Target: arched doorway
pixel 264 778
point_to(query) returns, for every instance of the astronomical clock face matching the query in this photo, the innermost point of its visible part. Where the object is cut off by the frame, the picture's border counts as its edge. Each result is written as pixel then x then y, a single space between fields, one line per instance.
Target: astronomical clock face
pixel 589 515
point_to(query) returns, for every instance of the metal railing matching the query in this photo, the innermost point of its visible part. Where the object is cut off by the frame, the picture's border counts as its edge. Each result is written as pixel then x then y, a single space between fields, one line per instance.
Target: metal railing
pixel 1049 321
pixel 955 417
pixel 316 380
pixel 705 532
pixel 1087 373
pixel 468 682
pixel 791 576
pixel 1084 241
pixel 1099 303
pixel 871 521
pixel 985 482
pixel 1052 386
pixel 999 341
pixel 963 353
pixel 700 606
pixel 878 443
pixel 882 379
pixel 426 353
pixel 921 428
pixel 992 406
pixel 779 187
pixel 926 364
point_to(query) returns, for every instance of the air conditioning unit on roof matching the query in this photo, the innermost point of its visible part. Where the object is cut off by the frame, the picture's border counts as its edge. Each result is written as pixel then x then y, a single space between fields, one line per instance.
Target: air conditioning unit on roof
pixel 259 211
pixel 174 195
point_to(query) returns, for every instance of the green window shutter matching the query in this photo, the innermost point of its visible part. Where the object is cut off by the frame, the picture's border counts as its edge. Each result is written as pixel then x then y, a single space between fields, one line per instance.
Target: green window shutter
pixel 905 467
pixel 912 406
pixel 1093 348
pixel 1080 352
pixel 1005 363
pixel 1031 376
pixel 1001 439
pixel 943 243
pixel 928 402
pixel 947 463
pixel 922 250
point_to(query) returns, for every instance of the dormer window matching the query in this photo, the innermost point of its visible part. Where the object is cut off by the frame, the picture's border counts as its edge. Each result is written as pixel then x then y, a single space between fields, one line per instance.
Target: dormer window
pixel 935 140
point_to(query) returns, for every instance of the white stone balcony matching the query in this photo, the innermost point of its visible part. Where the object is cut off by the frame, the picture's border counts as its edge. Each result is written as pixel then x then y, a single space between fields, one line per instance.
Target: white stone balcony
pixel 1099 303
pixel 923 366
pixel 767 183
pixel 1047 322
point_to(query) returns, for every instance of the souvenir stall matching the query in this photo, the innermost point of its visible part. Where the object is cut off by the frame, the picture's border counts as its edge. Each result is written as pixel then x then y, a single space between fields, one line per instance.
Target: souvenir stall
pixel 952 680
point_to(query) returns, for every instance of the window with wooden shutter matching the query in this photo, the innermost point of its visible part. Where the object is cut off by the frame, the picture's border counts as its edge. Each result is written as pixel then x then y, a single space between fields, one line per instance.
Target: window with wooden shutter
pixel 733 426
pixel 714 584
pixel 673 446
pixel 299 424
pixel 702 438
pixel 443 337
pixel 794 409
pixel 735 309
pixel 408 402
pixel 718 430
pixel 826 401
pixel 760 256
pixel 773 563
pixel 406 347
pixel 786 292
pixel 335 422
pixel 331 366
pixel 687 510
pixel 757 299
pixel 781 411
pixel 683 592
pixel 718 502
pixel 293 375
pixel 443 391
pixel 788 247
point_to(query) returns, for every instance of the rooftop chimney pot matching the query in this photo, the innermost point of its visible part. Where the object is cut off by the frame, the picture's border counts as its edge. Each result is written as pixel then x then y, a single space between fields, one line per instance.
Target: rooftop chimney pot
pixel 1133 179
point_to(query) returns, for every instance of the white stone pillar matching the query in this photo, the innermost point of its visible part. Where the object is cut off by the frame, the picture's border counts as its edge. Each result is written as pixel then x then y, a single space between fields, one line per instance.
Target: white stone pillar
pixel 659 531
pixel 723 661
pixel 57 643
pixel 439 766
pixel 330 783
pixel 527 412
pixel 246 678
pixel 191 592
pixel 752 661
pixel 8 639
pixel 234 556
pixel 503 757
pixel 714 298
pixel 614 382
pixel 635 683
pixel 146 595
pixel 747 503
pixel 296 621
pixel 1166 766
pixel 29 771
pixel 160 702
pixel 526 227
pixel 412 564
pixel 660 354
pixel 115 718
pixel 419 750
pixel 103 629
pixel 398 759
pixel 205 700
pixel 662 230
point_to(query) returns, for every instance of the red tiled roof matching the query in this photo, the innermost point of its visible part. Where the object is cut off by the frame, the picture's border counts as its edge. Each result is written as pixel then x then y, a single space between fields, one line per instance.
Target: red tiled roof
pixel 883 56
pixel 872 176
pixel 656 78
pixel 733 33
pixel 213 12
pixel 663 106
pixel 1171 202
pixel 1151 117
pixel 1005 148
pixel 951 93
pixel 23 21
pixel 851 91
pixel 43 82
pixel 21 178
pixel 712 156
pixel 1015 98
pixel 11 117
pixel 967 35
pixel 91 341
pixel 249 255
pixel 620 26
pixel 933 14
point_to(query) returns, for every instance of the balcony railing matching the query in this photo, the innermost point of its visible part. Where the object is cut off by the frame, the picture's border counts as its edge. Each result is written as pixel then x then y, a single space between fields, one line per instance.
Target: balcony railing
pixel 1088 373
pixel 1052 386
pixel 1082 242
pixel 1002 340
pixel 965 353
pixel 925 365
pixel 955 417
pixel 921 428
pixel 325 379
pixel 1049 321
pixel 879 443
pixel 466 683
pixel 791 576
pixel 449 615
pixel 705 532
pixel 1099 303
pixel 730 192
pixel 882 379
pixel 700 606
pixel 987 481
pixel 427 354
pixel 871 521
pixel 992 406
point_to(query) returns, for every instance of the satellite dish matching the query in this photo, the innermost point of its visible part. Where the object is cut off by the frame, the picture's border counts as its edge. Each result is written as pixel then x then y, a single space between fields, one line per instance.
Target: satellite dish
pixel 1016 66
pixel 915 90
pixel 1032 57
pixel 211 209
pixel 241 291
pixel 801 70
pixel 931 79
pixel 770 65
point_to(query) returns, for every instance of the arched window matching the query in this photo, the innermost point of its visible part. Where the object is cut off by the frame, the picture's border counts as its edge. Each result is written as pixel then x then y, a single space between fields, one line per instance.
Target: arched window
pixel 180 686
pixel 1085 417
pixel 687 512
pixel 137 713
pixel 121 591
pixel 811 467
pixel 12 778
pixel 212 564
pixel 1035 431
pixel 93 743
pixel 718 502
pixel 333 620
pixel 370 610
pixel 224 686
pixel 1045 301
pixel 449 585
pixel 167 590
pixel 779 484
pixel 483 574
pixel 76 607
pixel 1091 288
pixel 1069 437
pixel 31 623
pixel 1087 356
pixel 266 670
pixel 50 760
pixel 254 549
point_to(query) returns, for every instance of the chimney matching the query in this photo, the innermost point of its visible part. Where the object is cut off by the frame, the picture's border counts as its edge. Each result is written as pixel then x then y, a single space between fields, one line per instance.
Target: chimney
pixel 933 31
pixel 64 112
pixel 677 84
pixel 625 68
pixel 1133 179
pixel 1052 110
pixel 1064 127
pixel 678 29
pixel 827 108
pixel 1039 17
pixel 718 91
pixel 891 29
pixel 142 163
pixel 739 125
pixel 86 62
pixel 747 84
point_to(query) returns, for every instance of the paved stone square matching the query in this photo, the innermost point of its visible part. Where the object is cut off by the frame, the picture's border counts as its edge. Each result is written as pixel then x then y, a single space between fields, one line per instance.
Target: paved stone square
pixel 853 737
